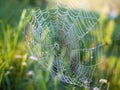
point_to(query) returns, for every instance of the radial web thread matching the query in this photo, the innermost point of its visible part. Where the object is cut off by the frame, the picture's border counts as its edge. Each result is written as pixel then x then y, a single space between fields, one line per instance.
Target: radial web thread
pixel 66 41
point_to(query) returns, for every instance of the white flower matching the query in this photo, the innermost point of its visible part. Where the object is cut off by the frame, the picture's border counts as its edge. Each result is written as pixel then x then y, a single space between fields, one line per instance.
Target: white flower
pixel 33 58
pixel 24 63
pixel 113 14
pixel 31 73
pixel 103 81
pixel 96 88
pixel 18 56
pixel 7 73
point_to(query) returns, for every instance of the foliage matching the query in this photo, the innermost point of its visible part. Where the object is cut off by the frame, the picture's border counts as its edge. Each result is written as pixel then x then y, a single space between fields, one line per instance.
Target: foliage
pixel 17 71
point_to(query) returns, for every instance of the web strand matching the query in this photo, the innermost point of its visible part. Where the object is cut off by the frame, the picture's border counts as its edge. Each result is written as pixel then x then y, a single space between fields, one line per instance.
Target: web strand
pixel 69 39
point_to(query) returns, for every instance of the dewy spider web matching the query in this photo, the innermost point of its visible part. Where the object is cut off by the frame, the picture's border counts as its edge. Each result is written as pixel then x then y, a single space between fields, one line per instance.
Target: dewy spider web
pixel 67 42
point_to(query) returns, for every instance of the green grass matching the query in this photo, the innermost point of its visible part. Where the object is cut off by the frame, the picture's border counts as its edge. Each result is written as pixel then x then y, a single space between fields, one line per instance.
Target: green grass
pixel 15 64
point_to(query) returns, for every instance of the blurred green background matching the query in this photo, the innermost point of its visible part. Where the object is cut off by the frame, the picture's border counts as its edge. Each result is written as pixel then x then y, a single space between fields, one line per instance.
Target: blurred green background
pixel 17 71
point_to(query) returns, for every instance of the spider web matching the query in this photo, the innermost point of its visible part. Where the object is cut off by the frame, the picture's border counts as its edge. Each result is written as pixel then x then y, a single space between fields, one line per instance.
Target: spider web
pixel 67 42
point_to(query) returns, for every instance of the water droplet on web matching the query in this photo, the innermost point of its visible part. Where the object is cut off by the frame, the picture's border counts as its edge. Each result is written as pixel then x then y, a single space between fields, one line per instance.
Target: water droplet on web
pixel 78 43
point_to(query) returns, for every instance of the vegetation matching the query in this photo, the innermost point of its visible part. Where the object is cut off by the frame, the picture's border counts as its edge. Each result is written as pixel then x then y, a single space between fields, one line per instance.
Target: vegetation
pixel 18 71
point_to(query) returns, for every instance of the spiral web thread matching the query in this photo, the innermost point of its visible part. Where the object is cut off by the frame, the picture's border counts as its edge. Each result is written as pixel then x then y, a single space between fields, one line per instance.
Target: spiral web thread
pixel 67 42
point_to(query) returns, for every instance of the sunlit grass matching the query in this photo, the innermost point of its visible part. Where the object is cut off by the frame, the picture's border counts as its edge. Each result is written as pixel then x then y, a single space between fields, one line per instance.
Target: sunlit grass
pixel 18 71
